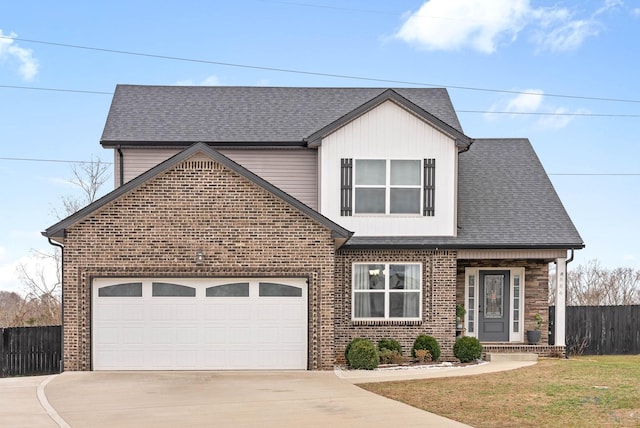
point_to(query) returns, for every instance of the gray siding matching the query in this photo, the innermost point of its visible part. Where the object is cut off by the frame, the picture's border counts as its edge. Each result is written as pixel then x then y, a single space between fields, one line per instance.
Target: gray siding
pixel 293 171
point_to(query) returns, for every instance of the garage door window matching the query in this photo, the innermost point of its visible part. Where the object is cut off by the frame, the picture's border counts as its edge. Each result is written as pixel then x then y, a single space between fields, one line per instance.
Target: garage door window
pixel 238 289
pixel 269 289
pixel 131 289
pixel 165 289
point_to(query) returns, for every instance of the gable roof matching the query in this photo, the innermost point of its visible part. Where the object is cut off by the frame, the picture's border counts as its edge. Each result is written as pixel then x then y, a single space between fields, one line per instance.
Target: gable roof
pixel 183 115
pixel 505 200
pixel 390 95
pixel 58 230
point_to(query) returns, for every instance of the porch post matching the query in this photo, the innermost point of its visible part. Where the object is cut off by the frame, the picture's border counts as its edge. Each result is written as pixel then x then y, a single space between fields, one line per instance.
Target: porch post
pixel 561 301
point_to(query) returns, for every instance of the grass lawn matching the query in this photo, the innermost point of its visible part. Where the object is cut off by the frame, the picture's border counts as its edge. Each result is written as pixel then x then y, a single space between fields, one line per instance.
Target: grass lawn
pixel 588 391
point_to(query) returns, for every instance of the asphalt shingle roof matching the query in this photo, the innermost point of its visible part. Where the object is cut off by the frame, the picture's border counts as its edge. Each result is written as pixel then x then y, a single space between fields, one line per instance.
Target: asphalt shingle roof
pixel 228 114
pixel 505 200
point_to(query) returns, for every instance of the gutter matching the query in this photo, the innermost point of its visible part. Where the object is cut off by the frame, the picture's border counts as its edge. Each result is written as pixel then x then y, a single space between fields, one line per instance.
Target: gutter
pixel 120 164
pixel 55 244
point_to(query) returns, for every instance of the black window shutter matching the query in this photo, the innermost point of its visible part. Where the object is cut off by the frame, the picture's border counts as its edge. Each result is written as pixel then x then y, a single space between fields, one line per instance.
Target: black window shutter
pixel 346 187
pixel 429 208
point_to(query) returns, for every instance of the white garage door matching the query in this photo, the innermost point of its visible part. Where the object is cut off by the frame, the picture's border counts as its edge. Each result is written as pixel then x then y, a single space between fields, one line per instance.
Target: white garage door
pixel 199 324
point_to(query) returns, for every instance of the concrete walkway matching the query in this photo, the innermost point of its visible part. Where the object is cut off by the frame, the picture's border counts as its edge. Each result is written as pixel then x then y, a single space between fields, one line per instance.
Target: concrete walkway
pixel 221 399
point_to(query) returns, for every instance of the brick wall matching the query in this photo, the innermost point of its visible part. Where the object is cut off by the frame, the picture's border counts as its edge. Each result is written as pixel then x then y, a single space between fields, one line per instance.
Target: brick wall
pixel 536 274
pixel 155 230
pixel 438 300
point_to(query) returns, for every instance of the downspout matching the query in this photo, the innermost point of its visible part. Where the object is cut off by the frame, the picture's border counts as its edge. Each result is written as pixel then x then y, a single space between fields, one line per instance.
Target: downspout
pixel 55 244
pixel 120 165
pixel 566 288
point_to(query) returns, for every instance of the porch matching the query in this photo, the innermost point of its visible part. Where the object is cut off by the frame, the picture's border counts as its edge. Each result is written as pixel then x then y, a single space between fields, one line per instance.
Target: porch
pixel 523 348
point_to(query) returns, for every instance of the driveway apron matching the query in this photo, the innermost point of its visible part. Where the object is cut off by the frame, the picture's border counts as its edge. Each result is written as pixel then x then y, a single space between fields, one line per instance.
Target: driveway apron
pixel 221 399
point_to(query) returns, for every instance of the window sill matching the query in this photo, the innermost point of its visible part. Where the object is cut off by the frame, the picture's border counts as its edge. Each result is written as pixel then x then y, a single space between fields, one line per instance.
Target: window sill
pixel 373 322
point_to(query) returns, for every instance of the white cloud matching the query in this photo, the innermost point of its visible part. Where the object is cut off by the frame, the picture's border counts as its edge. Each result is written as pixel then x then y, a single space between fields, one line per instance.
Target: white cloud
pixel 451 25
pixel 11 52
pixel 208 81
pixel 636 12
pixel 533 101
pixel 485 25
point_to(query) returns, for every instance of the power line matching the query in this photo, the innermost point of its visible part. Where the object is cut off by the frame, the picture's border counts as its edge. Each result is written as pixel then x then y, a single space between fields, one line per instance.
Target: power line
pixel 110 163
pixel 314 73
pixel 523 113
pixel 34 88
pixel 51 160
pixel 550 113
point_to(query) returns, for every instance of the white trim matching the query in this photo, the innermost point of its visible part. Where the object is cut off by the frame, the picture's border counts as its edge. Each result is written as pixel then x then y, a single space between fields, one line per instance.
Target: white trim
pixel 513 336
pixel 386 292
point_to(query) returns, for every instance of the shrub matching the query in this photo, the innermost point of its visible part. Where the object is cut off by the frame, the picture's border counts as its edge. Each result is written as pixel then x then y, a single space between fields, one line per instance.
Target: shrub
pixel 349 345
pixel 389 344
pixel 467 349
pixel 362 354
pixel 423 355
pixel 429 343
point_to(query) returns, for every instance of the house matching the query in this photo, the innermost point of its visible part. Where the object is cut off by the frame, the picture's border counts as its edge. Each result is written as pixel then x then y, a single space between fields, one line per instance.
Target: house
pixel 264 228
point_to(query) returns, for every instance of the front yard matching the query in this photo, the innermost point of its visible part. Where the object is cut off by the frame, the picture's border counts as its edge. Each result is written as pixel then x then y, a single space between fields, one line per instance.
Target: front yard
pixel 578 392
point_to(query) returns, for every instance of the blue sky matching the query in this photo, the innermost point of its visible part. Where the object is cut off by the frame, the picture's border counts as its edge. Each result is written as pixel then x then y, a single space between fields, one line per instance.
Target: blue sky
pixel 577 60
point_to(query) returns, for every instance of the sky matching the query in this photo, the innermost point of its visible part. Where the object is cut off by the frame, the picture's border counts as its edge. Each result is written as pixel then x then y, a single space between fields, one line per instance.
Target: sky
pixel 563 74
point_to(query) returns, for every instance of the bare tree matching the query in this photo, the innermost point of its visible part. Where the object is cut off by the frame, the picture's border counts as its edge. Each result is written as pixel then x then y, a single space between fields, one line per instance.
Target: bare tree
pixel 42 305
pixel 594 285
pixel 89 178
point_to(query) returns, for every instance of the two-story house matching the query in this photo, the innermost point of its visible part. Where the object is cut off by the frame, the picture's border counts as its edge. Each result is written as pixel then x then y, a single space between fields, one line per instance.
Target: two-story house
pixel 262 228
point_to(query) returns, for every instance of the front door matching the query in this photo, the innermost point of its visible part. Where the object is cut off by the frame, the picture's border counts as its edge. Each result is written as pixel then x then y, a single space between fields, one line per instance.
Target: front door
pixel 493 307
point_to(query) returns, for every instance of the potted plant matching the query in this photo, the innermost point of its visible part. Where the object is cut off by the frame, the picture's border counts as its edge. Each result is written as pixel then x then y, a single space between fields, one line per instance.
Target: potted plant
pixel 533 336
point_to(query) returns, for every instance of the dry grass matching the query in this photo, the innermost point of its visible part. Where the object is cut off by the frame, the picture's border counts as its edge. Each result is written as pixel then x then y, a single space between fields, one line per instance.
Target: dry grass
pixel 602 391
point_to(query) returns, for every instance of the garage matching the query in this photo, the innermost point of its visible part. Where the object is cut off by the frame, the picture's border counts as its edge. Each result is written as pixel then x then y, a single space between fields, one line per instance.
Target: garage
pixel 199 324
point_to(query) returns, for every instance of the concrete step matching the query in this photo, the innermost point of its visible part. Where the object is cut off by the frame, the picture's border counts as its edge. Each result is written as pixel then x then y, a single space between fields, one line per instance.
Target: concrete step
pixel 511 356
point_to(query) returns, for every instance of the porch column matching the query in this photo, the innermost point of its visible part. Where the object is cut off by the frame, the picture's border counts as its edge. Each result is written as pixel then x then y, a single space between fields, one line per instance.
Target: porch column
pixel 561 301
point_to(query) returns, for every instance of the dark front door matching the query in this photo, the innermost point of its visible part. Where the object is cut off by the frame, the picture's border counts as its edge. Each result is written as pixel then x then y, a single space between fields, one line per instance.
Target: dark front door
pixel 493 308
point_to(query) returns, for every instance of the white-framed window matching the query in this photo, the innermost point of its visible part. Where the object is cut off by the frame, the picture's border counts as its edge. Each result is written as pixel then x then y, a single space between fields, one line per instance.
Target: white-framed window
pixel 384 291
pixel 388 186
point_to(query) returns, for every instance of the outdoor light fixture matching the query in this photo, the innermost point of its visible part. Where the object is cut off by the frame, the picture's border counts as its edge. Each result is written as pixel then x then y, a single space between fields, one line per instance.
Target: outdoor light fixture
pixel 199 257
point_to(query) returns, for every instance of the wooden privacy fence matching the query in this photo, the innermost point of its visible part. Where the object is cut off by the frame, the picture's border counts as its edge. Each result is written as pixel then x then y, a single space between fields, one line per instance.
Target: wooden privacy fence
pixel 603 330
pixel 26 351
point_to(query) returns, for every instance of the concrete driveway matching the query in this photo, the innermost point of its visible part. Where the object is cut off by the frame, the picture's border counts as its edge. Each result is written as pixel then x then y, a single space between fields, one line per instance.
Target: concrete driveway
pixel 221 399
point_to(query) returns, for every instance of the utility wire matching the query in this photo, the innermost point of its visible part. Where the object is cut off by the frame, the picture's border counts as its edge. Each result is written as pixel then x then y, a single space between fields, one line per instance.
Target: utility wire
pixel 314 73
pixel 523 113
pixel 52 160
pixel 34 88
pixel 110 163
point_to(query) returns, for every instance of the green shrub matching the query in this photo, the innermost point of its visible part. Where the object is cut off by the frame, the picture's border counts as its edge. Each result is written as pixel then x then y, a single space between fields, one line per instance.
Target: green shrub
pixel 467 349
pixel 429 343
pixel 349 345
pixel 389 344
pixel 362 354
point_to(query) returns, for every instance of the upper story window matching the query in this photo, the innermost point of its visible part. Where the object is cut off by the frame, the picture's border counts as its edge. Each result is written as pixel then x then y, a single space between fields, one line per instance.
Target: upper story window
pixel 388 186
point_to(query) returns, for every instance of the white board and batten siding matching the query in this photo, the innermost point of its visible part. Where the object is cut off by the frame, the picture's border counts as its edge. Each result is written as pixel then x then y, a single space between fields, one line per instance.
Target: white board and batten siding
pixel 292 170
pixel 391 132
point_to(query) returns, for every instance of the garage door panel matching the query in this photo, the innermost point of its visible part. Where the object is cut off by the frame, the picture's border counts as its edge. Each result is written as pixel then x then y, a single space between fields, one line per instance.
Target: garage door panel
pixel 205 327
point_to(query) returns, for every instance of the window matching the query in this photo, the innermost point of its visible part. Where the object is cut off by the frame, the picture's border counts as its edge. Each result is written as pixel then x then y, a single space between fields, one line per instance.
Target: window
pixel 269 289
pixel 132 289
pixel 391 186
pixel 163 289
pixel 238 289
pixel 387 291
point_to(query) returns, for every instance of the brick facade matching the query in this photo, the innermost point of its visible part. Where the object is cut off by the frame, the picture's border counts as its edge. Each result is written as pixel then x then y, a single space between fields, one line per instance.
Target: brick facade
pixel 536 288
pixel 244 230
pixel 156 229
pixel 438 300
